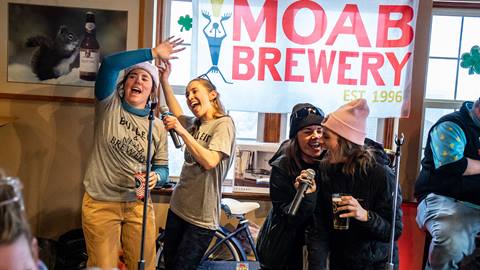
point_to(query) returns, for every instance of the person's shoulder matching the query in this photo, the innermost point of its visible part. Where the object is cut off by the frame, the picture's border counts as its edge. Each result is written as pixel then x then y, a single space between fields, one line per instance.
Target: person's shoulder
pixel 279 161
pixel 380 171
pixel 280 154
pixel 186 120
pixel 378 151
pixel 225 119
pixel 448 126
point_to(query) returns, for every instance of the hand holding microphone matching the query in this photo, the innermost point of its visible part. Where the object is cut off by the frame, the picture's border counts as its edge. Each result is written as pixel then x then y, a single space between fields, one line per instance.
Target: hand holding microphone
pixel 307 183
pixel 173 133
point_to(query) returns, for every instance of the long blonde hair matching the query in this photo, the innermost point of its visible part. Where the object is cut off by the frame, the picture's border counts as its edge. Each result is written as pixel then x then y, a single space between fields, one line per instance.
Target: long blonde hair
pixel 217 104
pixel 13 223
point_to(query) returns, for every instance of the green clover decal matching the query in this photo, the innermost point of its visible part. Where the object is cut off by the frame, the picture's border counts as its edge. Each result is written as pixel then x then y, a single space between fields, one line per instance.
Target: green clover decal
pixel 185 22
pixel 471 60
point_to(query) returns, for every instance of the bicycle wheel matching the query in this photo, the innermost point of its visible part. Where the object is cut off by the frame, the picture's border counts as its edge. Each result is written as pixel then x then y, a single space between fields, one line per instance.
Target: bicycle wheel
pixel 228 250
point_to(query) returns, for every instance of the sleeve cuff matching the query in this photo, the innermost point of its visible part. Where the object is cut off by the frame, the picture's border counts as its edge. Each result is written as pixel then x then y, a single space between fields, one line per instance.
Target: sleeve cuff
pixel 455 168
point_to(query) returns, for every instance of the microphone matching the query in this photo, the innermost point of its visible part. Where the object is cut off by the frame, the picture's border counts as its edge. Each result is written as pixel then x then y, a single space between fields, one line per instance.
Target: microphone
pixel 153 101
pixel 173 133
pixel 292 211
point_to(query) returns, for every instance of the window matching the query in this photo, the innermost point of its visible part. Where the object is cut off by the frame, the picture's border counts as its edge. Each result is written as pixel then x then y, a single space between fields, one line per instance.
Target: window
pixel 454 32
pixel 246 123
pixel 249 125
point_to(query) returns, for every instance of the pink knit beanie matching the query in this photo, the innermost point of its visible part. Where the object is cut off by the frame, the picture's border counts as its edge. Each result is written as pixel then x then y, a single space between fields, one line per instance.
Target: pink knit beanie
pixel 349 121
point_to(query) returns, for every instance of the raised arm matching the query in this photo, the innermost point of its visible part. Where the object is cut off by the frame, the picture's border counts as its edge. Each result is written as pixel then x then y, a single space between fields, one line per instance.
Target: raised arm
pixel 113 64
pixel 173 105
pixel 111 67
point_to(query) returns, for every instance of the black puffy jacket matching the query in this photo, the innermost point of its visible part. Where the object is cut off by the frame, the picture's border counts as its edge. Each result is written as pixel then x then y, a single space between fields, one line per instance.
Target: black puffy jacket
pixel 365 245
pixel 281 237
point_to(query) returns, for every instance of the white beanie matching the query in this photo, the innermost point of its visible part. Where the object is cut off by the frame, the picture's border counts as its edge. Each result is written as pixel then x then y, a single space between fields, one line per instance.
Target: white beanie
pixel 148 67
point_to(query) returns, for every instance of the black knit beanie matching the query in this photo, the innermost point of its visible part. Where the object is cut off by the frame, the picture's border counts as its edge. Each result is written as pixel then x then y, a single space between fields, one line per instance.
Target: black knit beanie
pixel 299 119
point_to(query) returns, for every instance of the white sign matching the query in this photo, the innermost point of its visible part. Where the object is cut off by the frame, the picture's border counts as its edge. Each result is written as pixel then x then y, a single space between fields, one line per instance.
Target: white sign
pixel 268 55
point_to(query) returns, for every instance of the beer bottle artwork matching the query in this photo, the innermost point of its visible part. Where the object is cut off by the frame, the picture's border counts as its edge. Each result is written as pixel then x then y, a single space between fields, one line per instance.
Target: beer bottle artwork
pixel 89 50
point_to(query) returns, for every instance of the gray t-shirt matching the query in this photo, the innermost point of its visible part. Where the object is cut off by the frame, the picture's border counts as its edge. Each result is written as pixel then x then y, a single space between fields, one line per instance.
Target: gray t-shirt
pixel 120 142
pixel 196 197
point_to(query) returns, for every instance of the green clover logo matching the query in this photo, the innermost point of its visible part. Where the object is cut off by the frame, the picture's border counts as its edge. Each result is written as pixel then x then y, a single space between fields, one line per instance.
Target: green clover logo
pixel 185 22
pixel 471 60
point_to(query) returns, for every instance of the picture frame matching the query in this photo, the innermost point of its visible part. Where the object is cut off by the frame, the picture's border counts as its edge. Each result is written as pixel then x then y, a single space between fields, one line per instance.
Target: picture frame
pixel 251 168
pixel 55 89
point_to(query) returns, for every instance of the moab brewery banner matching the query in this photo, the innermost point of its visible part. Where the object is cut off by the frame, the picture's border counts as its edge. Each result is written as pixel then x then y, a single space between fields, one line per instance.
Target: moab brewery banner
pixel 268 55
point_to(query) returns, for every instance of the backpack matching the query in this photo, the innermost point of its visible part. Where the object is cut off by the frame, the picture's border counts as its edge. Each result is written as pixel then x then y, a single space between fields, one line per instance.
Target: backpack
pixel 71 251
pixel 274 242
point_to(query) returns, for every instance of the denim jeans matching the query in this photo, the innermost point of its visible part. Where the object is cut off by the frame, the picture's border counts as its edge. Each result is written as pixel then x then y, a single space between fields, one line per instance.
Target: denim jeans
pixel 185 244
pixel 453 226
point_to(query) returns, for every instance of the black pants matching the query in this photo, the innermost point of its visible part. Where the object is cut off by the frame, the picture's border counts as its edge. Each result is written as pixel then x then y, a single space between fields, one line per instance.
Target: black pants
pixel 185 244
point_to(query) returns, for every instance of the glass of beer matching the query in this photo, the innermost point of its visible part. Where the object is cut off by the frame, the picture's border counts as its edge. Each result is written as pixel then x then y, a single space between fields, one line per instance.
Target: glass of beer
pixel 339 223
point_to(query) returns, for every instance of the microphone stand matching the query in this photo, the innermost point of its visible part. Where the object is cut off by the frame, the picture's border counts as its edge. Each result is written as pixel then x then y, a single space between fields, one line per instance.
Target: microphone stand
pixel 151 117
pixel 398 143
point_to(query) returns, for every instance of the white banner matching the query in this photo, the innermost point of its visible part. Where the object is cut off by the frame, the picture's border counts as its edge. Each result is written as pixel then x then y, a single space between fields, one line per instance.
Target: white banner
pixel 268 55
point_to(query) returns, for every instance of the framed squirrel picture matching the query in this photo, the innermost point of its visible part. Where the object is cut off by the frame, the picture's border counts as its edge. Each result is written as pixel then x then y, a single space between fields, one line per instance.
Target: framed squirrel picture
pixel 52 49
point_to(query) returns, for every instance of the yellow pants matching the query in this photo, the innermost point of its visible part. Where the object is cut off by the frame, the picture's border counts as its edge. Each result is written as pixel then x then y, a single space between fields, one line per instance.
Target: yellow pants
pixel 113 226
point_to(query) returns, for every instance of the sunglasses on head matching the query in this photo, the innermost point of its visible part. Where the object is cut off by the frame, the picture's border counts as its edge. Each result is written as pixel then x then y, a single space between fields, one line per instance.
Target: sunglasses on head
pixel 304 112
pixel 205 77
pixel 11 191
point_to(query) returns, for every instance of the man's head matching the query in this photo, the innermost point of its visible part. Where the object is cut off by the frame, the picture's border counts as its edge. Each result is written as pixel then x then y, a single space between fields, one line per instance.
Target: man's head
pixel 476 108
pixel 18 249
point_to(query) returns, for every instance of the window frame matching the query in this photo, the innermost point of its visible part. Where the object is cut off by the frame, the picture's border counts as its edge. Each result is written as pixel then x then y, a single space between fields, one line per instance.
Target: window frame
pixel 448 9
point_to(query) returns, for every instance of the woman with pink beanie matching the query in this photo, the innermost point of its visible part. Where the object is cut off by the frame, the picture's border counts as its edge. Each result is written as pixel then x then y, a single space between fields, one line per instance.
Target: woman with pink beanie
pixel 350 168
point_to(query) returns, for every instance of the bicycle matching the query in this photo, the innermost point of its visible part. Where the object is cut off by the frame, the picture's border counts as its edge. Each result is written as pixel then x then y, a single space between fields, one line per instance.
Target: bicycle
pixel 225 245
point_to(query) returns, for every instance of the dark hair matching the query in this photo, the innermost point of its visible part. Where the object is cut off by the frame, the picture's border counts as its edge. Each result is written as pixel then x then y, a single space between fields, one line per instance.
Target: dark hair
pixel 291 149
pixel 356 156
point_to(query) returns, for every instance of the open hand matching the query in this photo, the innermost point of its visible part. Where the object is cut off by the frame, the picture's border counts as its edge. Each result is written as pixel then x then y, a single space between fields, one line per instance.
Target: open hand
pixel 171 122
pixel 168 48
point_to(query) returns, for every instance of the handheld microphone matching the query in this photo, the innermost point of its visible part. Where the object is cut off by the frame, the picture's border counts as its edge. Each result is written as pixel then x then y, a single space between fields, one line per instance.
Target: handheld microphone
pixel 292 211
pixel 173 133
